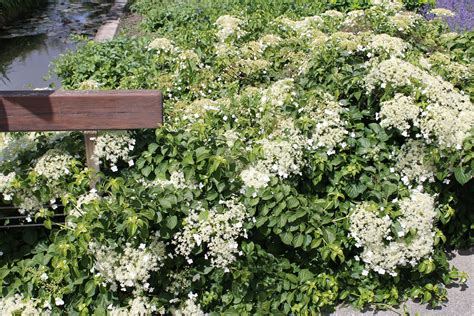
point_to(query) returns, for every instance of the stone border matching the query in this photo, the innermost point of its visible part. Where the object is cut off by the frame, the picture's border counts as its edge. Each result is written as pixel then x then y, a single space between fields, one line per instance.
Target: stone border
pixel 108 30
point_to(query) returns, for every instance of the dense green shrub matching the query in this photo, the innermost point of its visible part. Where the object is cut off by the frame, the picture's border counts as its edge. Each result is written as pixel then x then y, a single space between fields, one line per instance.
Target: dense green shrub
pixel 308 158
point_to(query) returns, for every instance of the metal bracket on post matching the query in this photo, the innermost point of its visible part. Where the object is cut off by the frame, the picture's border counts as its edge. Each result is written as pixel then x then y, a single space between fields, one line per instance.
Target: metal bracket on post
pixel 92 163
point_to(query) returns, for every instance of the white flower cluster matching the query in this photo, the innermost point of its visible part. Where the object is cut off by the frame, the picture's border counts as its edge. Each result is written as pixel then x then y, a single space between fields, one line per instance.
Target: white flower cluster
pixel 330 130
pixel 413 165
pixel 442 12
pixel 450 126
pixel 282 155
pixel 229 26
pixel 388 4
pixel 53 165
pixel 255 49
pixel 449 115
pixel 453 69
pixel 255 177
pixel 231 136
pixel 251 50
pixel 29 203
pixel 186 58
pixel 279 93
pixel 226 51
pixel 84 199
pixel 5 185
pixel 381 252
pixel 89 84
pixel 395 46
pixel 348 42
pixel 306 28
pixel 17 305
pixel 162 45
pixel 333 14
pixel 269 40
pixel 401 113
pixel 177 180
pixel 218 229
pixel 114 146
pixel 196 111
pixel 404 21
pixel 394 71
pixel 253 66
pixel 189 307
pixel 139 306
pixel 130 267
pixel 353 18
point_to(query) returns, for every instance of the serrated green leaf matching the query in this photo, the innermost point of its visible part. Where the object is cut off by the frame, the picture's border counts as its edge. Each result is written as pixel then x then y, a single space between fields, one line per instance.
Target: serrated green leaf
pixel 298 240
pixel 171 221
pixel 292 202
pixel 462 176
pixel 287 238
pixel 260 221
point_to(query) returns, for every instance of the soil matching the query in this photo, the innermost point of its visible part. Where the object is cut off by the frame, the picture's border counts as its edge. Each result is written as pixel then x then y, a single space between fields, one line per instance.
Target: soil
pixel 130 25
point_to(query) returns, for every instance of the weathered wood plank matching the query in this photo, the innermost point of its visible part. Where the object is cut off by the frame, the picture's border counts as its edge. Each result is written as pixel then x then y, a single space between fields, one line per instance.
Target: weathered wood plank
pixel 80 110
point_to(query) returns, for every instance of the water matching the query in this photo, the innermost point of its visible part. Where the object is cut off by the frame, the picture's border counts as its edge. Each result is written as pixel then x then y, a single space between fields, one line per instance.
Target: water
pixel 28 46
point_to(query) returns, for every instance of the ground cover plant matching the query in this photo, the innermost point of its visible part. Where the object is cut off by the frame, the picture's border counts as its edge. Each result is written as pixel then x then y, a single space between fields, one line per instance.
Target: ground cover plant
pixel 312 154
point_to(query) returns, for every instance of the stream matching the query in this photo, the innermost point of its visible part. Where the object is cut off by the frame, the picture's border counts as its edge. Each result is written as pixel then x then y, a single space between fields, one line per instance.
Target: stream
pixel 28 45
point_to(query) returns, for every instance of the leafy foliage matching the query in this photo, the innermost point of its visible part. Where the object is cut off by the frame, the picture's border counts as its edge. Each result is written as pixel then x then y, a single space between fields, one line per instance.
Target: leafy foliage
pixel 271 110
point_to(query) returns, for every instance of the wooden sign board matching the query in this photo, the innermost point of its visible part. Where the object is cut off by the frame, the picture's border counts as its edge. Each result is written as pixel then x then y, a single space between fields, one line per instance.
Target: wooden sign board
pixel 80 110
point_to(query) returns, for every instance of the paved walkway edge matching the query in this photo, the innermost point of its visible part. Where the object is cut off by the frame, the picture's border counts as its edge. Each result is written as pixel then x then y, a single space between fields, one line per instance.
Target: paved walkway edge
pixel 108 30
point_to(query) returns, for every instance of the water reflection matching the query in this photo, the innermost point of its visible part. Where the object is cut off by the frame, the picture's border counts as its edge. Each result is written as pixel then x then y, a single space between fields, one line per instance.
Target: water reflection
pixel 26 60
pixel 28 46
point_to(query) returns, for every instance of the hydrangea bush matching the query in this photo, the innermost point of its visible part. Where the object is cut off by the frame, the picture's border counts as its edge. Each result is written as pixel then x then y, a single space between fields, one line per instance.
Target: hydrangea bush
pixel 309 157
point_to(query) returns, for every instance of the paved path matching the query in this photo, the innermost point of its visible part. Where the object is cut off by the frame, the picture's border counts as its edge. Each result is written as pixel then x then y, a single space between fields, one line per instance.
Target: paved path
pixel 461 299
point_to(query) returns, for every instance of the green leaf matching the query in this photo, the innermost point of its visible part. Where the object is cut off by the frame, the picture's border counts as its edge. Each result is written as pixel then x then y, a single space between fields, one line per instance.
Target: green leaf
pixel 152 147
pixel 352 191
pixel 298 214
pixel 171 221
pixel 287 238
pixel 283 220
pixel 305 275
pixel 260 221
pixel 298 240
pixel 329 236
pixel 292 202
pixel 201 154
pixel 188 159
pixel 90 288
pixel 204 215
pixel 146 171
pixel 48 224
pixel 165 203
pixel 462 176
pixel 148 213
pixel 292 278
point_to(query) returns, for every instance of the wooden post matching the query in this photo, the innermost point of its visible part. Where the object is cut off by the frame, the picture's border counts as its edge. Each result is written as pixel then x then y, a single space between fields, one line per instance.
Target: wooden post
pixel 92 162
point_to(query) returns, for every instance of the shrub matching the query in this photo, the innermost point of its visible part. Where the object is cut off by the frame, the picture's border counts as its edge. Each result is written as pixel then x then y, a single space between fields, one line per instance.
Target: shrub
pixel 305 161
